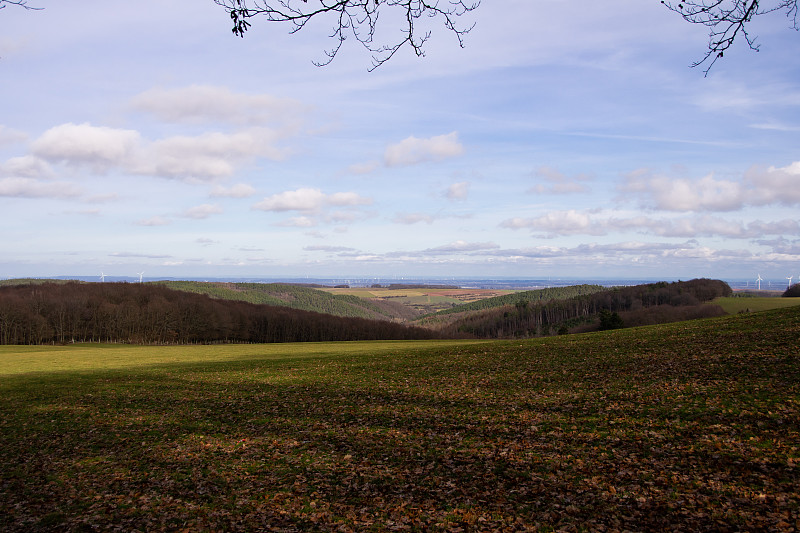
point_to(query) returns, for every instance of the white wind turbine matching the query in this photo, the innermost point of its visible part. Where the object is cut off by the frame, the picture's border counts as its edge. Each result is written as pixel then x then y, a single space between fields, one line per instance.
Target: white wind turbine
pixel 790 280
pixel 759 281
pixel 102 277
pixel 140 276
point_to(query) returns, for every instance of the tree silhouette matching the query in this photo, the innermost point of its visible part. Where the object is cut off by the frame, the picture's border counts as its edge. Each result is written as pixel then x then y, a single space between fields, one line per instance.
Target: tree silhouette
pixel 20 3
pixel 356 18
pixel 792 292
pixel 727 20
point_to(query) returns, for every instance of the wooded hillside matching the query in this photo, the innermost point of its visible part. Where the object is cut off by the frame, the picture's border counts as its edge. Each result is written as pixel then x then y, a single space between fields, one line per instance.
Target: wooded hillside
pixel 642 304
pixel 533 296
pixel 153 314
pixel 302 297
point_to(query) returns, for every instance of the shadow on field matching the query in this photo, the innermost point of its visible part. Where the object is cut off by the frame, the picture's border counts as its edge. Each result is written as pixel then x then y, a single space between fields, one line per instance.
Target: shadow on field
pixel 691 427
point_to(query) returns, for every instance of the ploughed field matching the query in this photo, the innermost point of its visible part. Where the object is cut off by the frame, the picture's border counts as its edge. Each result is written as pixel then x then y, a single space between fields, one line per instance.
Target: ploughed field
pixel 691 426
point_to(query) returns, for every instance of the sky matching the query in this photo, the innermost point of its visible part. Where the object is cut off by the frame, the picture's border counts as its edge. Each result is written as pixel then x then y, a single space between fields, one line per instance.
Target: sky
pixel 562 140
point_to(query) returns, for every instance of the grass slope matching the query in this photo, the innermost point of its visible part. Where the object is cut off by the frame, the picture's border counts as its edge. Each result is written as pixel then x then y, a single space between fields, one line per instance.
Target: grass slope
pixel 286 295
pixel 688 426
pixel 737 304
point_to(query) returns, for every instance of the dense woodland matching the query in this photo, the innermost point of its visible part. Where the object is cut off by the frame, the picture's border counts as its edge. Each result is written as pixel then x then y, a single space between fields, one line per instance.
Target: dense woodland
pixel 47 313
pixel 639 305
pixel 532 296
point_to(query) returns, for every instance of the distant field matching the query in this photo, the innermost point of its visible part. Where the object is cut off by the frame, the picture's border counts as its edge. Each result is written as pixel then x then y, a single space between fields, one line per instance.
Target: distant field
pixel 736 304
pixel 689 426
pixel 422 299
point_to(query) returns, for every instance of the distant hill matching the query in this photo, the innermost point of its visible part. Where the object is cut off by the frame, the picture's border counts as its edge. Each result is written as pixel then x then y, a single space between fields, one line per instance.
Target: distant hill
pixel 149 313
pixel 532 296
pixel 306 298
pixel 34 281
pixel 580 308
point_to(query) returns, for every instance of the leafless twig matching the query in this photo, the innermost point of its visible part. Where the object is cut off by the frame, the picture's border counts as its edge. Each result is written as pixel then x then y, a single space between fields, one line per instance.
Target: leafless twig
pixel 356 18
pixel 727 20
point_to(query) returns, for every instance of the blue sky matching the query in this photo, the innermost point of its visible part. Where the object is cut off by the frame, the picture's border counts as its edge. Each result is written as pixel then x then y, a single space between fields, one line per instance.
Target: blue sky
pixel 146 137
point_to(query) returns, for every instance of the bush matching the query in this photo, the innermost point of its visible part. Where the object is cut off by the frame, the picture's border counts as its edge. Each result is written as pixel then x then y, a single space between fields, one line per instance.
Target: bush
pixel 609 320
pixel 792 292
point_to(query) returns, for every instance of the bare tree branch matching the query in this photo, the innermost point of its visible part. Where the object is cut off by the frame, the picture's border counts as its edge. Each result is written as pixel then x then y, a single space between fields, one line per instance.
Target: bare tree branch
pixel 20 3
pixel 355 18
pixel 727 20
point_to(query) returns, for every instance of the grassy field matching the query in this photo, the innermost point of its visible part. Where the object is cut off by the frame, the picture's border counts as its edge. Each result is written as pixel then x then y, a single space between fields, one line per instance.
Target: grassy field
pixel 688 426
pixel 734 304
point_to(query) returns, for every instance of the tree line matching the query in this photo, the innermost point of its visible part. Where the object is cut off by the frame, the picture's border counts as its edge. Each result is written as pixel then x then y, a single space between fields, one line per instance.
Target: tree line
pixel 153 314
pixel 526 318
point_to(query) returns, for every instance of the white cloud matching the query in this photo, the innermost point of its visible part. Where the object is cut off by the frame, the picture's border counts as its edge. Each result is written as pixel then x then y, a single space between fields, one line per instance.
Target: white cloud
pixel 11 136
pixel 364 168
pixel 240 190
pixel 27 166
pixel 556 223
pixel 771 186
pixel 682 194
pixel 205 103
pixel 32 188
pixel 566 223
pixel 458 191
pixel 200 158
pixel 309 200
pixel 144 256
pixel 347 199
pixel 776 185
pixel 202 211
pixel 298 222
pixel 207 156
pixel 462 247
pixel 97 147
pixel 413 150
pixel 303 199
pixel 559 182
pixel 329 249
pixel 781 246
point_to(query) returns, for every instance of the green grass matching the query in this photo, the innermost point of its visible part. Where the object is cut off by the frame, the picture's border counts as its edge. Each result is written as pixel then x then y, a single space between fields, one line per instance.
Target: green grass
pixel 688 426
pixel 100 357
pixel 734 304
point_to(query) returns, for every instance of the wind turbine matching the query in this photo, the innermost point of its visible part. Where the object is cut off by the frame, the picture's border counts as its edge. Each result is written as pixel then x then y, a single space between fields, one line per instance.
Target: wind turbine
pixel 102 277
pixel 790 281
pixel 140 276
pixel 759 281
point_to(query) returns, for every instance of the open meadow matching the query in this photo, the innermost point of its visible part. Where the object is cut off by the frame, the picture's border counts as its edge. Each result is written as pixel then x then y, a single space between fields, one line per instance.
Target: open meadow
pixel 738 304
pixel 691 426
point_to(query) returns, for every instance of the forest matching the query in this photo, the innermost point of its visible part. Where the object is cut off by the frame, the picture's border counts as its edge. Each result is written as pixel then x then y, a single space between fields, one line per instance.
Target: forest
pixel 46 313
pixel 637 305
pixel 532 296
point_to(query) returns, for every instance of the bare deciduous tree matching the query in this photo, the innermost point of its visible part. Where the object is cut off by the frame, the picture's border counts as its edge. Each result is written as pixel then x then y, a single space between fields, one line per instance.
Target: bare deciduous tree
pixel 356 18
pixel 727 20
